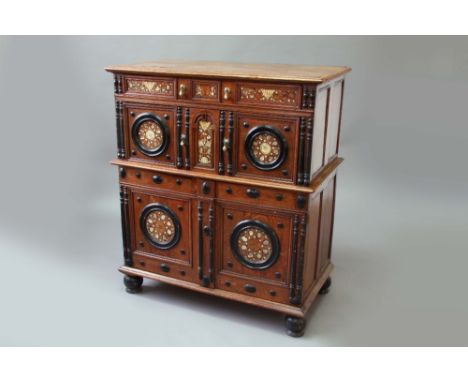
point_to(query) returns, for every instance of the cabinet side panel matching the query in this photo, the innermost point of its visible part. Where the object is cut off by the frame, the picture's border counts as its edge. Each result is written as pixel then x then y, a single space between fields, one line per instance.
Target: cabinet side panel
pixel 313 229
pixel 320 120
pixel 326 226
pixel 334 111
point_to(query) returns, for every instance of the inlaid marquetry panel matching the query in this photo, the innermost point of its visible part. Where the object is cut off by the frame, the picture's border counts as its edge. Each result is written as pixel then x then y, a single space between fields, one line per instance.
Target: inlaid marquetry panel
pixel 205 142
pixel 287 96
pixel 255 244
pixel 206 90
pixel 159 87
pixel 160 225
pixel 150 135
pixel 265 147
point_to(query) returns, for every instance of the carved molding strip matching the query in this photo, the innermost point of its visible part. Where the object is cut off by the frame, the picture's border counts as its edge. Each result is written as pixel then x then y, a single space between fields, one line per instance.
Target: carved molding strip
pixel 231 141
pixel 300 263
pixel 308 97
pixel 300 170
pixel 280 96
pixel 211 233
pixel 117 84
pixel 125 220
pixel 120 132
pixel 292 278
pixel 308 150
pixel 187 138
pixel 200 240
pixel 178 128
pixel 222 121
pixel 157 87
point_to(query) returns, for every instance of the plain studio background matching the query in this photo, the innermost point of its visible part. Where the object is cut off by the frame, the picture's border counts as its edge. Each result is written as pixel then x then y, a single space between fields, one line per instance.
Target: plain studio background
pixel 401 226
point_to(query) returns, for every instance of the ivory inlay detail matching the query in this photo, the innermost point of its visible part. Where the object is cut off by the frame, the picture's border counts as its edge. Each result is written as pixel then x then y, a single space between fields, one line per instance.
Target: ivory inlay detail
pixel 205 143
pixel 265 148
pixel 150 135
pixel 160 87
pixel 160 227
pixel 278 96
pixel 254 245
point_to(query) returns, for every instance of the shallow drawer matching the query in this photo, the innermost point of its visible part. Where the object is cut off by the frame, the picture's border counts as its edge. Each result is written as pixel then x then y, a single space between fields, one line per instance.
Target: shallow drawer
pixel 284 96
pixel 247 287
pixel 163 267
pixel 157 180
pixel 150 86
pixel 262 196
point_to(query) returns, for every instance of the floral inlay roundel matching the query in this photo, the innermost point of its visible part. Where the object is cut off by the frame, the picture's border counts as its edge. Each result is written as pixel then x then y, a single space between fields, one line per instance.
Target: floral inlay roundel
pixel 160 227
pixel 150 135
pixel 254 245
pixel 265 148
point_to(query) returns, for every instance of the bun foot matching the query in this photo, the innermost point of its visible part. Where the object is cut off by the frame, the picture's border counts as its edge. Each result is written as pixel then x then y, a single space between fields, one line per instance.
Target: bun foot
pixel 326 286
pixel 133 283
pixel 295 326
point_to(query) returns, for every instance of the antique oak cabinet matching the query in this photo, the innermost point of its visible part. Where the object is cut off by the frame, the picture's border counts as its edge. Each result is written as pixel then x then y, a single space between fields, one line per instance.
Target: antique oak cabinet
pixel 228 178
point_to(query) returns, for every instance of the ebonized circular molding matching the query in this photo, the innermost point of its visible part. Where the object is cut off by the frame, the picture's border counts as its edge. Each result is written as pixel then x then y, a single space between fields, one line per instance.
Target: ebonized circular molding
pixel 265 147
pixel 160 226
pixel 149 133
pixel 254 244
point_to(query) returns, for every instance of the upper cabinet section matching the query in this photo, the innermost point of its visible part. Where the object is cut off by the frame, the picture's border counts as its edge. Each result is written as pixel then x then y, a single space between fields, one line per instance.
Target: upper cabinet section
pixel 278 123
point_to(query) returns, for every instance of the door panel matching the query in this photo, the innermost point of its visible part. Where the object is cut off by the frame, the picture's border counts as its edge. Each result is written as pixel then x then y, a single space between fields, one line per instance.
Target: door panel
pixel 255 243
pixel 150 132
pixel 163 232
pixel 266 147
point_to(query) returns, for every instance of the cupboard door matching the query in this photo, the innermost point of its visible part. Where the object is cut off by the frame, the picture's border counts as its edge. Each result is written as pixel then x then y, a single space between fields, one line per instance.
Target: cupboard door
pixel 256 244
pixel 162 231
pixel 267 147
pixel 151 134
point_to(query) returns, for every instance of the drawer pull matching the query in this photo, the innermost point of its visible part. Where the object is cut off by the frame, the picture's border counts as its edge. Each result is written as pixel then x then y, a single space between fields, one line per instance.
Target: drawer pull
pixel 205 188
pixel 227 93
pixel 182 90
pixel 122 172
pixel 164 268
pixel 157 179
pixel 279 197
pixel 250 288
pixel 252 193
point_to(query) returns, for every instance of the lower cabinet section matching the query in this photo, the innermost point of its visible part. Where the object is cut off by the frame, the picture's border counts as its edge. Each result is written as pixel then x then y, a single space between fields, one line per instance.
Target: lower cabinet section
pixel 253 250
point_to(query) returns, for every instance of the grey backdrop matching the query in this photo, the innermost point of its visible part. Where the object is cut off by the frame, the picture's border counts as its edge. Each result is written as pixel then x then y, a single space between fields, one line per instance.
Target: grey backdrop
pixel 401 229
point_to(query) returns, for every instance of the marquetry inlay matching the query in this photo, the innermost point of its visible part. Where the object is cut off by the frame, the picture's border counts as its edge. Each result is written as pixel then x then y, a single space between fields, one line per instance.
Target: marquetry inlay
pixel 254 245
pixel 160 87
pixel 150 135
pixel 265 148
pixel 206 91
pixel 277 96
pixel 160 227
pixel 205 142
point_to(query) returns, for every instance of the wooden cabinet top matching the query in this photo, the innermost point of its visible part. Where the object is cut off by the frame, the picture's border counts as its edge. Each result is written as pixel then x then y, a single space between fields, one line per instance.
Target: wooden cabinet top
pixel 269 72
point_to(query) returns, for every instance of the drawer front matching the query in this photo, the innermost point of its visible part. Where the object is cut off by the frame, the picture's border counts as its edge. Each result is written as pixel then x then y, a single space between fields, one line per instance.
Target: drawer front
pixel 269 95
pixel 164 88
pixel 151 134
pixel 262 196
pixel 162 228
pixel 160 180
pixel 266 147
pixel 198 90
pixel 146 262
pixel 255 288
pixel 255 244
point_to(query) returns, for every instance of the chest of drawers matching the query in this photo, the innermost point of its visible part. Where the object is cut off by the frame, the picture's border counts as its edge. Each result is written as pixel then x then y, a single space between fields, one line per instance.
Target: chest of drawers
pixel 227 179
